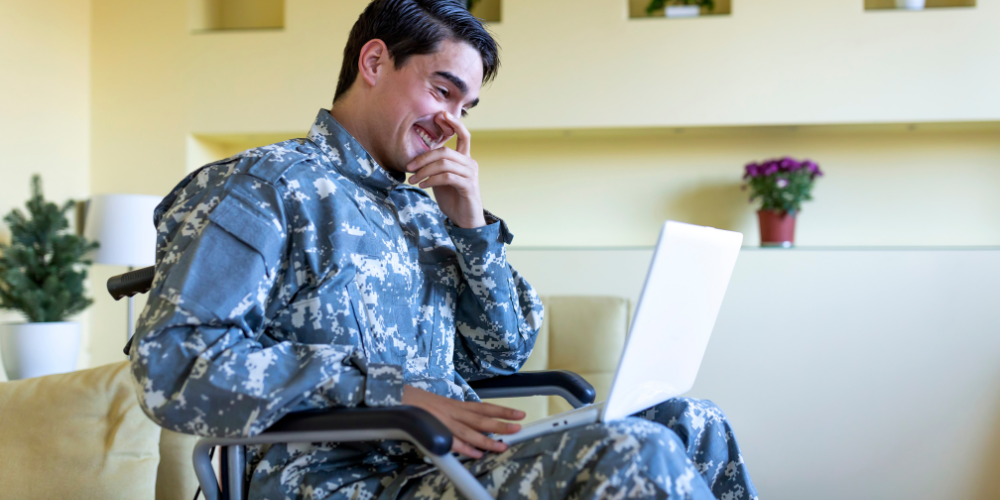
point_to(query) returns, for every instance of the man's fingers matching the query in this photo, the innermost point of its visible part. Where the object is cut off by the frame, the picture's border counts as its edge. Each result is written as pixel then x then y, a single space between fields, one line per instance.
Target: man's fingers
pixel 459 446
pixel 437 168
pixel 496 411
pixel 464 142
pixel 434 155
pixel 487 424
pixel 479 440
pixel 446 179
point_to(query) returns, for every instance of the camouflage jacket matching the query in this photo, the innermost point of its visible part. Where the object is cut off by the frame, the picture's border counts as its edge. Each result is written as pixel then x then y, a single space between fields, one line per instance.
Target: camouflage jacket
pixel 302 275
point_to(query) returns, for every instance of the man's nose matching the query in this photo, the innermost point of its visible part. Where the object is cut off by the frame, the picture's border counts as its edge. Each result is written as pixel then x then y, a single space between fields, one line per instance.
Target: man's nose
pixel 455 110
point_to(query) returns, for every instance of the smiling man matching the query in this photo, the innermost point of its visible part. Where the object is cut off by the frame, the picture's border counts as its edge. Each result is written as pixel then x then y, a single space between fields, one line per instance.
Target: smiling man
pixel 310 274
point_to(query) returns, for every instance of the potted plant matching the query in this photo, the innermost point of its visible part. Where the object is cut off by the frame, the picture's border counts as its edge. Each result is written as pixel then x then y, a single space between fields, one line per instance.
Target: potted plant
pixel 680 8
pixel 42 273
pixel 782 184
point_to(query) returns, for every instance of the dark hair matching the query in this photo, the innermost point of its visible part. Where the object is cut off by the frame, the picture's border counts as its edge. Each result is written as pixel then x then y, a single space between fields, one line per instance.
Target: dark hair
pixel 416 27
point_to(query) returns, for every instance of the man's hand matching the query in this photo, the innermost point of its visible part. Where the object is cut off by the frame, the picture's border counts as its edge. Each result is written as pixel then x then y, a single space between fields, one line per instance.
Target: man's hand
pixel 453 174
pixel 467 421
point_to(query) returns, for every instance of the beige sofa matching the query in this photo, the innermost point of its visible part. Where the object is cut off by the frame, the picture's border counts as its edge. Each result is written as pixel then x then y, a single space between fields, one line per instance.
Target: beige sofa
pixel 82 435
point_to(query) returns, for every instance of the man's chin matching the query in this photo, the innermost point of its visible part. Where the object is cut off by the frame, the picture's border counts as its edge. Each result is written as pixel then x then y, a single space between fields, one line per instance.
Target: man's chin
pixel 397 164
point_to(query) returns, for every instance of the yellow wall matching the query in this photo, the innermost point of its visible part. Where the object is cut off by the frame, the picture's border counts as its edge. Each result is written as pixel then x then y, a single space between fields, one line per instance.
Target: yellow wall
pixel 886 185
pixel 166 99
pixel 44 104
pixel 567 64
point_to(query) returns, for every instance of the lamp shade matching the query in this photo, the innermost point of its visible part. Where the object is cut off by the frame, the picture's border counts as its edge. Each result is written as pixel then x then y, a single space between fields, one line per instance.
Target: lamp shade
pixel 123 225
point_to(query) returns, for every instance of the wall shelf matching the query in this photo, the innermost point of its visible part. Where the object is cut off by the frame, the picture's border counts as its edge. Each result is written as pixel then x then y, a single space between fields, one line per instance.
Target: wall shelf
pixel 487 10
pixel 637 10
pixel 883 5
pixel 207 16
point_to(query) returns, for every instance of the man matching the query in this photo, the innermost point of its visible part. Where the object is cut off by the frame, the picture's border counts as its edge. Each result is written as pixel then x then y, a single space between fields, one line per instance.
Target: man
pixel 308 274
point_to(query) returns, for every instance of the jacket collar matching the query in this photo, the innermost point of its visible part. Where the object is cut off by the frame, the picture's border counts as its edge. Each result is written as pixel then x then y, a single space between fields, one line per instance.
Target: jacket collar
pixel 349 158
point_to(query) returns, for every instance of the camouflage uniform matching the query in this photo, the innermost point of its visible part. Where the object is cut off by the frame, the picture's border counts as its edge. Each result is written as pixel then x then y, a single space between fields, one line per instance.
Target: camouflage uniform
pixel 302 275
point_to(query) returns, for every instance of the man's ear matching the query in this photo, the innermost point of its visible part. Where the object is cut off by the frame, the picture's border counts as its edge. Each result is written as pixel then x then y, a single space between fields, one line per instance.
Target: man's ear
pixel 374 61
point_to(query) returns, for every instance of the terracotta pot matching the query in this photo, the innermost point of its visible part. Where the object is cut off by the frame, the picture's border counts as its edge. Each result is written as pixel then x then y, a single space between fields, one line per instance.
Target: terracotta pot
pixel 777 229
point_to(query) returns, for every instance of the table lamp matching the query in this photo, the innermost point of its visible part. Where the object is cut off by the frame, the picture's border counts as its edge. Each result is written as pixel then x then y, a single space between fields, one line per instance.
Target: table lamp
pixel 123 225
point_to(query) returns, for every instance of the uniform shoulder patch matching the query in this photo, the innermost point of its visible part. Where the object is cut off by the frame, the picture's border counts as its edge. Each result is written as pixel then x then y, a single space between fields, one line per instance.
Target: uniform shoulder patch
pixel 271 162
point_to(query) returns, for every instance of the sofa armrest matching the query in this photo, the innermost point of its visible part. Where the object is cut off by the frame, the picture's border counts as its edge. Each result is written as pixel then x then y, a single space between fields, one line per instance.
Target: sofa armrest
pixel 570 386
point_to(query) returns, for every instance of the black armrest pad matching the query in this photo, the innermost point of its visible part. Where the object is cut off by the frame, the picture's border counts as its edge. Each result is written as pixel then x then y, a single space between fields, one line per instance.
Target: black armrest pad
pixel 421 425
pixel 131 283
pixel 566 379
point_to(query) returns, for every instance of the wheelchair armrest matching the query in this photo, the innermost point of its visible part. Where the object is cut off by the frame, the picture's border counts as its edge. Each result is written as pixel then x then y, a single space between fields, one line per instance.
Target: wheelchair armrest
pixel 352 424
pixel 131 283
pixel 572 387
pixel 423 427
pixel 407 423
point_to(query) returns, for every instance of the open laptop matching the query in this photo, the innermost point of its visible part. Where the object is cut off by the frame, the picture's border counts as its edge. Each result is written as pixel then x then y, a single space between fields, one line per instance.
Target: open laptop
pixel 680 300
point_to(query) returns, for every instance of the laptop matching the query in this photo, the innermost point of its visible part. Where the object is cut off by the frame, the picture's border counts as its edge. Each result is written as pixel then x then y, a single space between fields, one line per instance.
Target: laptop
pixel 680 300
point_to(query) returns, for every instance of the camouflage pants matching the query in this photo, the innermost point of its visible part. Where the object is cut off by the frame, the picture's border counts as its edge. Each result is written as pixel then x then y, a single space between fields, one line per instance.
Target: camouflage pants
pixel 683 448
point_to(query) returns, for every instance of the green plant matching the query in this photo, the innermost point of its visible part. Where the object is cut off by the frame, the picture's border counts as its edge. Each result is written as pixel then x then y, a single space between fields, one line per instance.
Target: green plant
pixel 655 5
pixel 782 184
pixel 42 270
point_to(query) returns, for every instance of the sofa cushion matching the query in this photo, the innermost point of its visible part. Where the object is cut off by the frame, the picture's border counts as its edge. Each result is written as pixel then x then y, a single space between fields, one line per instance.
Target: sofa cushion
pixel 175 478
pixel 76 435
pixel 586 334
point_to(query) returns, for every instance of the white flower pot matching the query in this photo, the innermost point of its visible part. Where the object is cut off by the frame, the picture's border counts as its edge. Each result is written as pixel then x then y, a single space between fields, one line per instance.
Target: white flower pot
pixel 37 349
pixel 910 4
pixel 683 10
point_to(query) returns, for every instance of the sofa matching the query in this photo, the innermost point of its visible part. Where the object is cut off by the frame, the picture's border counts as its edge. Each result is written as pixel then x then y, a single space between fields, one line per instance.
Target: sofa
pixel 82 435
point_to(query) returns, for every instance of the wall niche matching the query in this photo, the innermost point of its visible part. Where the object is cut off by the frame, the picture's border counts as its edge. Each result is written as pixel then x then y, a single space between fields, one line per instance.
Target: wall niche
pixel 487 10
pixel 226 15
pixel 929 4
pixel 637 9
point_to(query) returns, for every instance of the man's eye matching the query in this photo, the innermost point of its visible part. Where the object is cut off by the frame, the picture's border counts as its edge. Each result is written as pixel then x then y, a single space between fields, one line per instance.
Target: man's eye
pixel 465 113
pixel 443 91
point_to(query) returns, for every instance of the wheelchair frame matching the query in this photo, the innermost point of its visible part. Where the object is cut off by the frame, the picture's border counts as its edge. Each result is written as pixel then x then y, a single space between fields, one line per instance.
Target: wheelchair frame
pixel 406 423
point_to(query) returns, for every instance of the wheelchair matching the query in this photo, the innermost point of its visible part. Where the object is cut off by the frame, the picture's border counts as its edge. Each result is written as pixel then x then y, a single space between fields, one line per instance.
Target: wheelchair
pixel 405 423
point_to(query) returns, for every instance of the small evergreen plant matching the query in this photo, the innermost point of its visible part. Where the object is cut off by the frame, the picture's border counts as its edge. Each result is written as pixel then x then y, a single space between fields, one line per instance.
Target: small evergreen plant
pixel 42 270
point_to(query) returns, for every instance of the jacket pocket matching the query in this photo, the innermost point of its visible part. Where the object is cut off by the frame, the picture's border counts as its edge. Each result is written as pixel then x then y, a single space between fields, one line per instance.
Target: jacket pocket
pixel 360 312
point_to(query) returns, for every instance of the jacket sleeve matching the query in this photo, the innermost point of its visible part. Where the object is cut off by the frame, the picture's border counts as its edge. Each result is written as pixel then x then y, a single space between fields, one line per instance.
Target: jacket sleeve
pixel 197 362
pixel 498 314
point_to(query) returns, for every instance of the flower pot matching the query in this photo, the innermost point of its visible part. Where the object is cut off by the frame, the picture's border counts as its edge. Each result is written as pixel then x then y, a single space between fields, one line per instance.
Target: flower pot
pixel 683 10
pixel 37 349
pixel 910 4
pixel 777 229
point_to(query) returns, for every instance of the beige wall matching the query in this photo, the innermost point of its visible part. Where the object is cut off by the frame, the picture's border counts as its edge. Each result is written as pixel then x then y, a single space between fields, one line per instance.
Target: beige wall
pixel 594 132
pixel 885 184
pixel 861 374
pixel 166 99
pixel 44 105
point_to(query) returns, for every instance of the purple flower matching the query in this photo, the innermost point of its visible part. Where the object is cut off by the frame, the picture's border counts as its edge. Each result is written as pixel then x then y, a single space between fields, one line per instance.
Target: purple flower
pixel 813 168
pixel 787 164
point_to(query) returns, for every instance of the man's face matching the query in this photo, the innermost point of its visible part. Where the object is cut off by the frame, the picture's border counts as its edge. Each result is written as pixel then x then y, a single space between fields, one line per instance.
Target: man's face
pixel 407 101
